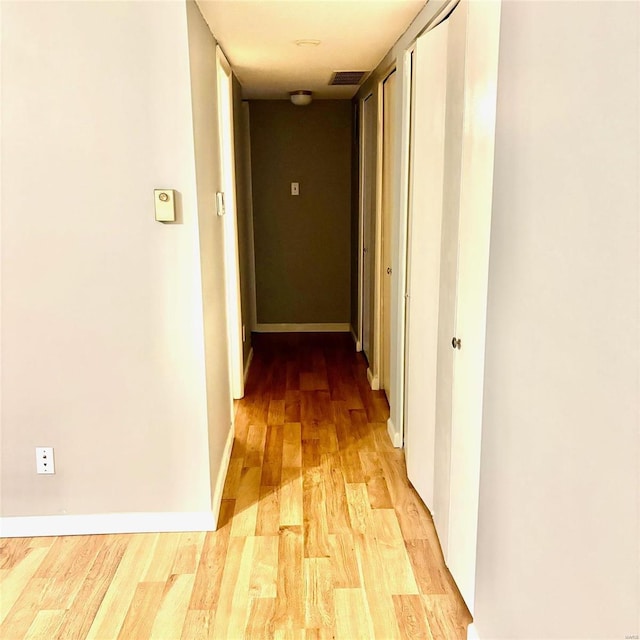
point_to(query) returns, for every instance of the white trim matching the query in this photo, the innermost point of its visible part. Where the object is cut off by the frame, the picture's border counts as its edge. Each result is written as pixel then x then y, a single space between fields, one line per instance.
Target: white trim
pixel 355 340
pixel 472 632
pixel 307 327
pixel 373 380
pixel 394 434
pixel 399 274
pixel 227 157
pixel 99 523
pixel 247 365
pixel 222 474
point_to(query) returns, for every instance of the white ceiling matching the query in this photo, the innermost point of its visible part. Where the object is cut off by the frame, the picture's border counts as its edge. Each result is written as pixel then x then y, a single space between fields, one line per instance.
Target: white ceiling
pixel 258 38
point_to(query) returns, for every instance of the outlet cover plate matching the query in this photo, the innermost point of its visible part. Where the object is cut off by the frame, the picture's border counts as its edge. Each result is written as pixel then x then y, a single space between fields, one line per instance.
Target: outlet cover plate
pixel 44 461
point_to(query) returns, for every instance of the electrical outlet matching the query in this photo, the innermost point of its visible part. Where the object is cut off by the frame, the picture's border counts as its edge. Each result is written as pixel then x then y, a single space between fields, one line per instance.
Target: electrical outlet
pixel 44 460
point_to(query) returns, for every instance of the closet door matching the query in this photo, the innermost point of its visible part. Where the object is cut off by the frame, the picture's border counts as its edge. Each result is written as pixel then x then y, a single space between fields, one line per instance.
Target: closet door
pixel 423 273
pixel 450 221
pixel 476 192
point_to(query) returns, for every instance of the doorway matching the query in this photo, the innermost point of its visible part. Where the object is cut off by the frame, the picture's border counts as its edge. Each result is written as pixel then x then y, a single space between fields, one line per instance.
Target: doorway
pixel 226 204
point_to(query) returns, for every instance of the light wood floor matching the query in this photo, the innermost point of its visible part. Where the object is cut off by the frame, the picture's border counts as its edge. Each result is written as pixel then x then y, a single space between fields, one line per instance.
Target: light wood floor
pixel 321 534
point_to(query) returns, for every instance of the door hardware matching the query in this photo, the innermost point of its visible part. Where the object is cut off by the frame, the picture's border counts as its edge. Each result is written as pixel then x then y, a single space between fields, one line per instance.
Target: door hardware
pixel 389 270
pixel 456 343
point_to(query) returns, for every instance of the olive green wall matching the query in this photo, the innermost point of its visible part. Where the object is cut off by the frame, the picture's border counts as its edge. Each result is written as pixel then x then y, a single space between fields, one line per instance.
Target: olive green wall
pixel 355 211
pixel 243 209
pixel 302 243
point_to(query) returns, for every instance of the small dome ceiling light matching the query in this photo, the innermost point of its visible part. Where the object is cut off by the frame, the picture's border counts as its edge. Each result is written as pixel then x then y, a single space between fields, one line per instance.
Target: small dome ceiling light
pixel 307 43
pixel 300 98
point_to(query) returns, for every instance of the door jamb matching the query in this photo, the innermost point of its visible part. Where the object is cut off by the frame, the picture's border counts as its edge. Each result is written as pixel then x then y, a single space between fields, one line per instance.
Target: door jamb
pixel 395 423
pixel 230 234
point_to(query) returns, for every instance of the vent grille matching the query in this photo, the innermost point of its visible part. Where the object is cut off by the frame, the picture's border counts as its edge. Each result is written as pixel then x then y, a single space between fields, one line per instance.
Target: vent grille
pixel 343 78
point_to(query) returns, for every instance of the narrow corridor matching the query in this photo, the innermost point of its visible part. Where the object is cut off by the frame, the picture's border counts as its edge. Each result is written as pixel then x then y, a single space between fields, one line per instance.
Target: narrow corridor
pixel 323 535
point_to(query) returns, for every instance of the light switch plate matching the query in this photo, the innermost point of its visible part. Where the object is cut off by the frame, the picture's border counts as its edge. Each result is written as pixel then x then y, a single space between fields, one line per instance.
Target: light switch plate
pixel 165 200
pixel 295 188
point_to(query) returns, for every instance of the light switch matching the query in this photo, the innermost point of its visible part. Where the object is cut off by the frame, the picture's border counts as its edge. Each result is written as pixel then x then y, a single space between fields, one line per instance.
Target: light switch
pixel 165 205
pixel 295 188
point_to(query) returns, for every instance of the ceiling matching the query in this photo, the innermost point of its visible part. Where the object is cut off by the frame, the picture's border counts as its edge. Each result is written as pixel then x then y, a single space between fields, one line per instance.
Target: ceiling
pixel 259 40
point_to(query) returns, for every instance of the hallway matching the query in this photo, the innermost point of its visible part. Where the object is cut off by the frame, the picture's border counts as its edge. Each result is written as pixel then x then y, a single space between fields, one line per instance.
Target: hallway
pixel 321 530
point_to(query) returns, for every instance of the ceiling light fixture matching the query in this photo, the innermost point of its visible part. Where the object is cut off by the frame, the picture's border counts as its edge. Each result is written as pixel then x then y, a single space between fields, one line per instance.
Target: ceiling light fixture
pixel 307 43
pixel 300 98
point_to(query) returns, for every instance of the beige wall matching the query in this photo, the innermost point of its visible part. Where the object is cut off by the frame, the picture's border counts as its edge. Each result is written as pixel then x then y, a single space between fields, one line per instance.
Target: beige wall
pixel 102 307
pixel 302 243
pixel 559 523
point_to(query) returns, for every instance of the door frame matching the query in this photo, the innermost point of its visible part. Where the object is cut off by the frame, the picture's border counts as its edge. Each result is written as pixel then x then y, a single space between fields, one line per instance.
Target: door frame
pixel 226 154
pixel 395 427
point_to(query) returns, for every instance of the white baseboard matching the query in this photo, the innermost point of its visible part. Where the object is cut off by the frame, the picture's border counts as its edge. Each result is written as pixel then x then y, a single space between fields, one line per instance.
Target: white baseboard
pixel 246 366
pixel 98 523
pixel 374 383
pixel 309 327
pixel 355 340
pixel 396 437
pixel 472 633
pixel 222 475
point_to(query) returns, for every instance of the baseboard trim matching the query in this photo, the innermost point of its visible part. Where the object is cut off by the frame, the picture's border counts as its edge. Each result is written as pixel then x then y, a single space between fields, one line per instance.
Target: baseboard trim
pixel 374 383
pixel 99 523
pixel 246 366
pixel 472 633
pixel 309 327
pixel 222 476
pixel 396 437
pixel 355 340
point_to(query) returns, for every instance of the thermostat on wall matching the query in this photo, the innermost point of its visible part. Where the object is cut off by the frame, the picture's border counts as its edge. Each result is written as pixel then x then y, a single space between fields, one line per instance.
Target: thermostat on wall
pixel 165 202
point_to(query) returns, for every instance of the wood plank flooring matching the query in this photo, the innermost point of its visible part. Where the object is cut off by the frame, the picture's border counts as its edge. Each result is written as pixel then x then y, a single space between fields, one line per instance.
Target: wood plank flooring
pixel 321 535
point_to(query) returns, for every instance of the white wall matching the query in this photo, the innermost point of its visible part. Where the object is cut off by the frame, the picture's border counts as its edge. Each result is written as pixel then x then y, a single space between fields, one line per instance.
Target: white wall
pixel 102 307
pixel 558 528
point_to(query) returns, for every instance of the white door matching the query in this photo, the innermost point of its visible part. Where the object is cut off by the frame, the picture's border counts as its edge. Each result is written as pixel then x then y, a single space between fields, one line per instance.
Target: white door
pixel 455 89
pixel 231 258
pixel 423 273
pixel 476 191
pixel 388 142
pixel 369 122
pixel 456 50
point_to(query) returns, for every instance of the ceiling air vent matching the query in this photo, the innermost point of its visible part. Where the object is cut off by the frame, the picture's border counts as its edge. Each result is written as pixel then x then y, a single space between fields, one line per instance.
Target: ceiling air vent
pixel 347 77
